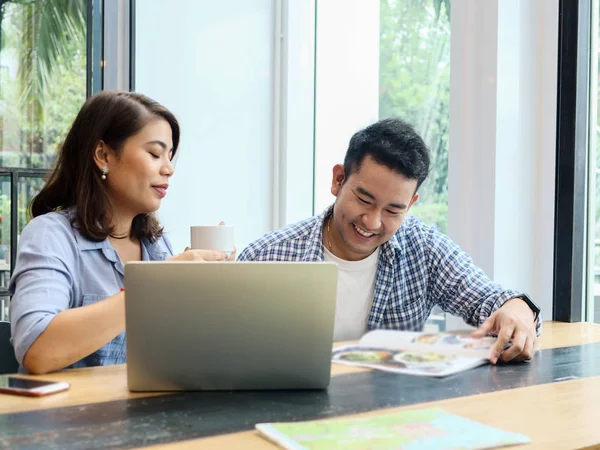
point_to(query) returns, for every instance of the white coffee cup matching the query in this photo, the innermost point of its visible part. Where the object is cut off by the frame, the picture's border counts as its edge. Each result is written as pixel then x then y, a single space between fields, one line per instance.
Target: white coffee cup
pixel 213 237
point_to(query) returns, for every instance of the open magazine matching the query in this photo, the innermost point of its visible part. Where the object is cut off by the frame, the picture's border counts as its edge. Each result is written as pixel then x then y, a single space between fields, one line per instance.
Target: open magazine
pixel 412 353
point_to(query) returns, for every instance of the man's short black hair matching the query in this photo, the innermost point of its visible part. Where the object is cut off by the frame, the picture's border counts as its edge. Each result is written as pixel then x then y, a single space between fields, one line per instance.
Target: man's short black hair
pixel 392 143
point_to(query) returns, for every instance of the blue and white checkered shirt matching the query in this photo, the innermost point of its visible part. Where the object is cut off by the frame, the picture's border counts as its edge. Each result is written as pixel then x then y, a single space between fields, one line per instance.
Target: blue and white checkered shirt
pixel 418 268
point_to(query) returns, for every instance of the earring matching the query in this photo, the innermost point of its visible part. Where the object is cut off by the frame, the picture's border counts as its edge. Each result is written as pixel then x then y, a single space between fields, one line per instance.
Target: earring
pixel 104 172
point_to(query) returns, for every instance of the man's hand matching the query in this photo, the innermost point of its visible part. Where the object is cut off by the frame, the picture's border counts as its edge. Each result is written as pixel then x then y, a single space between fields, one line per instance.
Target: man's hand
pixel 514 321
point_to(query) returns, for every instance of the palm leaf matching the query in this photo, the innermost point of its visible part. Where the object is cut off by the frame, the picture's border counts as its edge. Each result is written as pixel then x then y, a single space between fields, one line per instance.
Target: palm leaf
pixel 2 3
pixel 437 5
pixel 29 83
pixel 48 27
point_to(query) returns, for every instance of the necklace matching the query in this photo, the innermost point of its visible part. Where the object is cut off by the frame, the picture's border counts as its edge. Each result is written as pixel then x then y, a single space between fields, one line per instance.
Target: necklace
pixel 329 232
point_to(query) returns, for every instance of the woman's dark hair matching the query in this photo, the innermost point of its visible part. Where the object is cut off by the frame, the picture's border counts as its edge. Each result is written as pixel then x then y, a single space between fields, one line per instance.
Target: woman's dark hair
pixel 111 117
pixel 392 143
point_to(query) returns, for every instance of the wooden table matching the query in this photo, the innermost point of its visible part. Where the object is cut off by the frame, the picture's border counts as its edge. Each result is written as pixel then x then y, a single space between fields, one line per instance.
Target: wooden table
pixel 559 414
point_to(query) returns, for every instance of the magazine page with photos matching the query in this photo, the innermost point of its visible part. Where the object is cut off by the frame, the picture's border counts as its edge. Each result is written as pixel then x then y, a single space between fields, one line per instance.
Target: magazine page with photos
pixel 412 353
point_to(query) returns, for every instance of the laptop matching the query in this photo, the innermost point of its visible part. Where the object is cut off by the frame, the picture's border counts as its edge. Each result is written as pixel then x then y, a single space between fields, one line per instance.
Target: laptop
pixel 229 326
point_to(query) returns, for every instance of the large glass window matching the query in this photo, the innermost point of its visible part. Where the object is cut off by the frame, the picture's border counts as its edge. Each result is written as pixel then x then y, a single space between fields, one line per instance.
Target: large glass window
pixel 43 78
pixel 376 60
pixel 379 60
pixel 414 84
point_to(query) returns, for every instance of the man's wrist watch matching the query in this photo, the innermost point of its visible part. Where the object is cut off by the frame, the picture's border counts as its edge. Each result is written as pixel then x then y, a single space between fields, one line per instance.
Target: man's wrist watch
pixel 534 307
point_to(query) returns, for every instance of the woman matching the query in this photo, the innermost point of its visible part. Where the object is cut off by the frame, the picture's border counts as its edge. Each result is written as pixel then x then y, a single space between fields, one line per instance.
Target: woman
pixel 95 214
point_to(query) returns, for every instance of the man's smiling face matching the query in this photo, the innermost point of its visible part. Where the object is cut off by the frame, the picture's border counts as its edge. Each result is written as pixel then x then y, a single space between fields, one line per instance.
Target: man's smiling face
pixel 370 207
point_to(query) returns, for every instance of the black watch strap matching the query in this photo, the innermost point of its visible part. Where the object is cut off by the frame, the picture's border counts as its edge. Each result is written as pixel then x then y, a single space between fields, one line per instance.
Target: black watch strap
pixel 534 307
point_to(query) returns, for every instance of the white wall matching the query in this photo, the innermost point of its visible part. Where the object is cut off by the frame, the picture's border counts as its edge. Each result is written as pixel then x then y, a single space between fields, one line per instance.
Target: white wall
pixel 347 87
pixel 502 140
pixel 211 63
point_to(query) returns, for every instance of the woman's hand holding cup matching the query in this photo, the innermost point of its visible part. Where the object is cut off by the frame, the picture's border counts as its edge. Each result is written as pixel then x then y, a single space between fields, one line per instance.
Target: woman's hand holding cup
pixel 210 243
pixel 199 255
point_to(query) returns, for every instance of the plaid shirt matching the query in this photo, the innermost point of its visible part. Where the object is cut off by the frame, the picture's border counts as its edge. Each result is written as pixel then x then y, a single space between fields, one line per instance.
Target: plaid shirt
pixel 418 268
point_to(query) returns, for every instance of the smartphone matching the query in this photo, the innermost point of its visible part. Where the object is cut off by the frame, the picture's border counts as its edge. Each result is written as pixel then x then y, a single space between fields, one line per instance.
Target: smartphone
pixel 30 387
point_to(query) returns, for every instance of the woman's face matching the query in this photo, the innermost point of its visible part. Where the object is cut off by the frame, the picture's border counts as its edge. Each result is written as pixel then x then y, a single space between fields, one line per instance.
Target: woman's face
pixel 138 177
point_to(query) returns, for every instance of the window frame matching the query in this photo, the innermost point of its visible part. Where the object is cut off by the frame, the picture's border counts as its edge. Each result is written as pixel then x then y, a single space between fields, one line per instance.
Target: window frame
pixel 572 153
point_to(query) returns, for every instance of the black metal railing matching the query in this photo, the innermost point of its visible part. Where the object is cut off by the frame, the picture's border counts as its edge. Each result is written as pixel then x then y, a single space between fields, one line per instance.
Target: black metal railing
pixel 16 175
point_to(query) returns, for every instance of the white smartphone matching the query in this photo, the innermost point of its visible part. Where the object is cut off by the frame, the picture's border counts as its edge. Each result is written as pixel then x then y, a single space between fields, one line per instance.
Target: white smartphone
pixel 30 387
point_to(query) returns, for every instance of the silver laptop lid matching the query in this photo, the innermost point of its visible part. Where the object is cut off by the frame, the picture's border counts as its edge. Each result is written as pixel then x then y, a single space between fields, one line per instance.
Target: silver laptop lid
pixel 234 325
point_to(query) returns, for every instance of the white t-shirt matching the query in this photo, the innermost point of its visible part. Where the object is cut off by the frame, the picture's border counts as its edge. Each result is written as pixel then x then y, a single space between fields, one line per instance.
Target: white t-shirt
pixel 355 290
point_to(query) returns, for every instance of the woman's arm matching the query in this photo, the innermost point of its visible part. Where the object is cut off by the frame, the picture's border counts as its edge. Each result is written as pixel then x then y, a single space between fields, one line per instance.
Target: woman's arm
pixel 49 332
pixel 75 333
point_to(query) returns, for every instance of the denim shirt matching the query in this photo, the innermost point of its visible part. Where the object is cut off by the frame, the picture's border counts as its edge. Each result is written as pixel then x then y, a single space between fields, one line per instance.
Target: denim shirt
pixel 57 269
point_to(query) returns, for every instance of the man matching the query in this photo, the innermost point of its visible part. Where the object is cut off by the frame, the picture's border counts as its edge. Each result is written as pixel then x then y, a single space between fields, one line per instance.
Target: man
pixel 392 268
